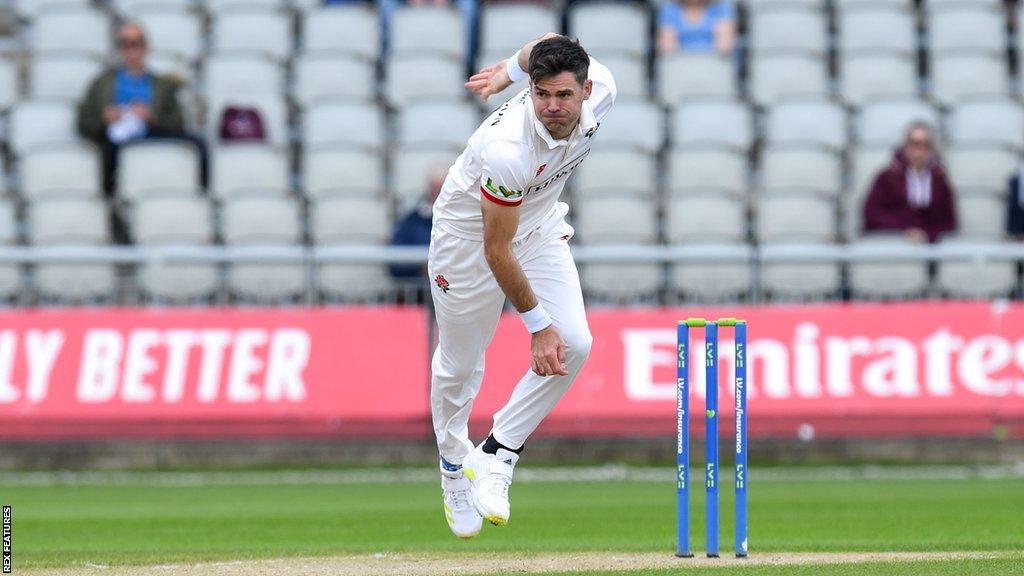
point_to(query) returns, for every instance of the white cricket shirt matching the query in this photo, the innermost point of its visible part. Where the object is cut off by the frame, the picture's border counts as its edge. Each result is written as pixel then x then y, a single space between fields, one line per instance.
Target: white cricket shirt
pixel 512 160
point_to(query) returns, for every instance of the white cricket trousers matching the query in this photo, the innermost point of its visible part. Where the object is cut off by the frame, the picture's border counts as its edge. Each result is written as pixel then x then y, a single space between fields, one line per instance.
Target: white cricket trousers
pixel 467 315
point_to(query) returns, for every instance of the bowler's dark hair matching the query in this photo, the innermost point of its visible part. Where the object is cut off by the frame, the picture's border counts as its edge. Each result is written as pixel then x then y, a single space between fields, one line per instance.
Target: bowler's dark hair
pixel 556 55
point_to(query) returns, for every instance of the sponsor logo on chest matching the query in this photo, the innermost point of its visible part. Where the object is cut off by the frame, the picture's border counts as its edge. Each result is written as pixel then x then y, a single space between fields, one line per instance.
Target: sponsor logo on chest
pixel 561 173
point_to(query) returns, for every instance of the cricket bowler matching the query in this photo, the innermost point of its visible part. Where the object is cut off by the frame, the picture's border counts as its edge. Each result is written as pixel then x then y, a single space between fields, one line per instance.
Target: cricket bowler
pixel 499 231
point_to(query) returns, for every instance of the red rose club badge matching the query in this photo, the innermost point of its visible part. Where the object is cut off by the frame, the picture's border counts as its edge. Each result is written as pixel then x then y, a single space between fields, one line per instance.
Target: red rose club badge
pixel 442 283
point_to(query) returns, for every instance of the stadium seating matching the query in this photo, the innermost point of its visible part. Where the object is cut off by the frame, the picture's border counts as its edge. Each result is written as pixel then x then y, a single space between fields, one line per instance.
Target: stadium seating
pixel 327 76
pixel 988 121
pixel 11 279
pixel 683 76
pixel 412 77
pixel 271 220
pixel 428 30
pixel 260 31
pixel 977 212
pixel 636 123
pixel 171 30
pixel 630 76
pixel 248 169
pixel 352 29
pixel 412 167
pixel 699 169
pixel 71 221
pixel 623 282
pixel 40 122
pixel 807 122
pixel 617 220
pixel 714 281
pixel 713 122
pixel 959 76
pixel 966 26
pixel 62 76
pixel 133 8
pixel 796 218
pixel 776 77
pixel 869 77
pixel 798 280
pixel 609 28
pixel 175 220
pixel 746 154
pixel 617 171
pixel 506 27
pixel 760 5
pixel 885 122
pixel 72 30
pixel 689 221
pixel 243 74
pixel 216 7
pixel 801 169
pixel 8 83
pixel 80 172
pixel 437 122
pixel 879 275
pixel 344 122
pixel 339 221
pixel 158 167
pixel 885 30
pixel 343 171
pixel 843 6
pixel 975 278
pixel 30 9
pixel 788 27
pixel 981 168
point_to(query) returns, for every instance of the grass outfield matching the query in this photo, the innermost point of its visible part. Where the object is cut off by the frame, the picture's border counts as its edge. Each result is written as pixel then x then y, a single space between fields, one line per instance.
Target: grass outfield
pixel 77 525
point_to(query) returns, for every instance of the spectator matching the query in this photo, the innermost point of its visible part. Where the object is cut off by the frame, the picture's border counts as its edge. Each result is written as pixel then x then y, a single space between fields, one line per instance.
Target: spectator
pixel 696 26
pixel 912 194
pixel 414 230
pixel 1015 208
pixel 128 102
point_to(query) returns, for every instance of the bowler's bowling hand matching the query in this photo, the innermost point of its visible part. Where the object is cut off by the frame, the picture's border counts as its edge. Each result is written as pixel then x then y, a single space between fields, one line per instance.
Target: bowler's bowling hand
pixel 548 351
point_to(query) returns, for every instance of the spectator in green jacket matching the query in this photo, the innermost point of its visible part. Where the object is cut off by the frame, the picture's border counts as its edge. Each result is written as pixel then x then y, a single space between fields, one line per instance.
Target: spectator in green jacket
pixel 129 102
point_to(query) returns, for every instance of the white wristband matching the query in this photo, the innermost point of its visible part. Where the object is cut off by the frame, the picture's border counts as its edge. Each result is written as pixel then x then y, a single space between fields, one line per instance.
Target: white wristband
pixel 515 73
pixel 536 319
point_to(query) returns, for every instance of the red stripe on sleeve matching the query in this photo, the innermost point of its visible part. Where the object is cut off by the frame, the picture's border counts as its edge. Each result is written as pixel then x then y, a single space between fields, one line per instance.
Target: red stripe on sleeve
pixel 497 200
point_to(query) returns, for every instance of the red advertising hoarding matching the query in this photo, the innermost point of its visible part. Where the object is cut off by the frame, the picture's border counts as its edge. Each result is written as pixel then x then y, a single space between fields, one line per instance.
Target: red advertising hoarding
pixel 827 370
pixel 157 372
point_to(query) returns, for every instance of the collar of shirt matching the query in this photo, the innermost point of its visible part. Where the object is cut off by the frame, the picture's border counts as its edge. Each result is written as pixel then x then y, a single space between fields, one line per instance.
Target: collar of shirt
pixel 587 121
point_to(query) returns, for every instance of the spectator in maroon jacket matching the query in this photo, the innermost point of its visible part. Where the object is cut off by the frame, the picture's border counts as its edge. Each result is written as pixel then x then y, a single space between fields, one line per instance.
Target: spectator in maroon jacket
pixel 912 194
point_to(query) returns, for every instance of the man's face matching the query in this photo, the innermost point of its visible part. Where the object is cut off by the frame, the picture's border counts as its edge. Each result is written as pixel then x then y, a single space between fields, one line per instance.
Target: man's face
pixel 918 148
pixel 132 46
pixel 558 100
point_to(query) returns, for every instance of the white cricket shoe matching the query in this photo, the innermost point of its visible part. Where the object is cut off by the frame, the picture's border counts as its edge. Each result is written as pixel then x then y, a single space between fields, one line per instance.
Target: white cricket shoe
pixel 459 510
pixel 491 475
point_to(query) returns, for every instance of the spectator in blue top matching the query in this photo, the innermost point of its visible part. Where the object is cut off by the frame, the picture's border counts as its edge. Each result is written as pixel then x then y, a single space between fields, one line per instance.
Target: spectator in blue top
pixel 696 26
